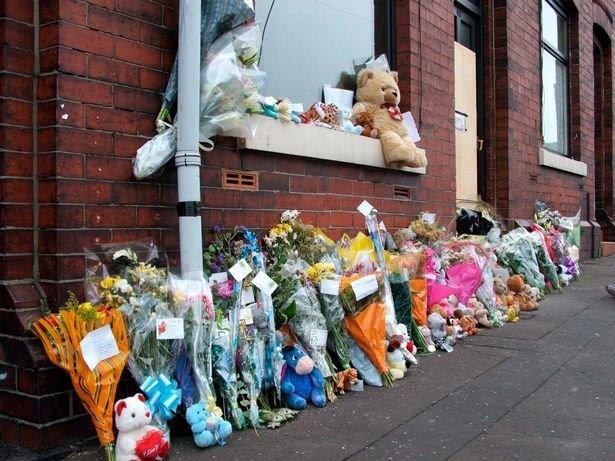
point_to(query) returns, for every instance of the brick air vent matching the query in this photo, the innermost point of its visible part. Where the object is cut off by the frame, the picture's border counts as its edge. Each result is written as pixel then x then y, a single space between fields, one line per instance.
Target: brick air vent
pixel 240 180
pixel 401 192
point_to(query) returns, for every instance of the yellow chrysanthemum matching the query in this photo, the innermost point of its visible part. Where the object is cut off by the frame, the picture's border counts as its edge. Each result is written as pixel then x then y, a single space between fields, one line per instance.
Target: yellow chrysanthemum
pixel 107 283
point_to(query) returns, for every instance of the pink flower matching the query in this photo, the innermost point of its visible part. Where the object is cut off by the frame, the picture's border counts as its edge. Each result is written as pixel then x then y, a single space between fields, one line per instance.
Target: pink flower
pixel 225 289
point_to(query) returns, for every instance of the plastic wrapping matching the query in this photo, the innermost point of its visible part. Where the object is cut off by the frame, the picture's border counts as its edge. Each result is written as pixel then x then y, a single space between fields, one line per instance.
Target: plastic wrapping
pixel 366 369
pixel 310 326
pixel 155 154
pixel 225 83
pixel 216 19
pixel 61 335
pixel 517 253
pixel 112 259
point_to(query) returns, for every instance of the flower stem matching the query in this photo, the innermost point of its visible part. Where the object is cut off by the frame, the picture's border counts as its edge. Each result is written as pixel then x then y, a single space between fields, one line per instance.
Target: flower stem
pixel 110 451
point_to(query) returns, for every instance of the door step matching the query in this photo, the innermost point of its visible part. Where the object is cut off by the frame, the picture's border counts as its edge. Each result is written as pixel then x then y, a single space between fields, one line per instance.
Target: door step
pixel 608 248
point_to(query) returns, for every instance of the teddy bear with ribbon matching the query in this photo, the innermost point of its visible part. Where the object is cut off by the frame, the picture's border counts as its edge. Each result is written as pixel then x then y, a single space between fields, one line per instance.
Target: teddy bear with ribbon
pixel 378 94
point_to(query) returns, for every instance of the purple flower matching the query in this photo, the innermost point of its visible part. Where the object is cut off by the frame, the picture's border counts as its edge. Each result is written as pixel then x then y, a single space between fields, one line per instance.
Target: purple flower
pixel 225 289
pixel 217 229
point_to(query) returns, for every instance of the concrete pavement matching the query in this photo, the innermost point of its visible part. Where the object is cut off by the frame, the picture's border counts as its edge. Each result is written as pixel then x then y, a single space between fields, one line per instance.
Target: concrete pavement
pixel 543 388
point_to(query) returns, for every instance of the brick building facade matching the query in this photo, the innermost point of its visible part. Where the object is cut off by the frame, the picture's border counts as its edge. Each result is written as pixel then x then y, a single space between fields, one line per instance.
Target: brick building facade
pixel 80 87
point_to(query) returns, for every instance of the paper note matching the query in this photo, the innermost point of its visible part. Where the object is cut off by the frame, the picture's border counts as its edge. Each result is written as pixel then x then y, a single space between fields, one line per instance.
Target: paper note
pixel 364 286
pixel 245 315
pixel 170 328
pixel 98 345
pixel 240 270
pixel 365 208
pixel 264 283
pixel 218 277
pixel 330 286
pixel 338 96
pixel 411 126
pixel 428 218
pixel 318 338
pixel 247 296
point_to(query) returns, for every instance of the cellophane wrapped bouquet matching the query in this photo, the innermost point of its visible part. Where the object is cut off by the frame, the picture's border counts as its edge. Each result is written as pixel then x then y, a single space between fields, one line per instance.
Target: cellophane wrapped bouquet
pixel 62 335
pixel 516 252
pixel 362 293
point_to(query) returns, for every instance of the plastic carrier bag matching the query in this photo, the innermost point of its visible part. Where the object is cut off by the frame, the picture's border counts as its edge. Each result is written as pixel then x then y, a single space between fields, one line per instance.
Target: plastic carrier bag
pixel 154 154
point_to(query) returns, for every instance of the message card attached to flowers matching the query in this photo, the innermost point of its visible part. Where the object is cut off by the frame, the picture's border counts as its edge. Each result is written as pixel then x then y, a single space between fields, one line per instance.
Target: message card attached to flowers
pixel 170 328
pixel 98 345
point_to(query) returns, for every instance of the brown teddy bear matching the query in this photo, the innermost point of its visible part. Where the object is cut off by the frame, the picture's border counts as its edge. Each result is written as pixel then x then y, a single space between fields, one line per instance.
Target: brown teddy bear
pixel 366 120
pixel 378 93
pixel 517 287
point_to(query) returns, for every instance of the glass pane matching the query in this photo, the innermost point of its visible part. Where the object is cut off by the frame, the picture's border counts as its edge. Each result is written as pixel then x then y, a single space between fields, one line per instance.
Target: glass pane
pixel 554 104
pixel 554 28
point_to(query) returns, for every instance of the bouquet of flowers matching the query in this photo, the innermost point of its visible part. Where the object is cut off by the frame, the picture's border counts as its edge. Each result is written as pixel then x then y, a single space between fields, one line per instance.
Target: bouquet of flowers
pixel 323 276
pixel 152 360
pixel 426 232
pixel 545 264
pixel 517 253
pixel 63 335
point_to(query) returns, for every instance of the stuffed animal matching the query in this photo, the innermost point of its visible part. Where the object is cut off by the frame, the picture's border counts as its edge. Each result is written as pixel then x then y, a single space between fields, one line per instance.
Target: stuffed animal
pixel 513 316
pixel 136 439
pixel 285 111
pixel 323 115
pixel 302 382
pixel 395 358
pixel 468 324
pixel 345 380
pixel 426 332
pixel 366 121
pixel 437 326
pixel 378 93
pixel 517 287
pixel 345 115
pixel 407 347
pixel 208 427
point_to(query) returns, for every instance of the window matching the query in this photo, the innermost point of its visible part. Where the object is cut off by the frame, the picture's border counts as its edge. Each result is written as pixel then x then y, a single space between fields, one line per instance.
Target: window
pixel 555 99
pixel 309 43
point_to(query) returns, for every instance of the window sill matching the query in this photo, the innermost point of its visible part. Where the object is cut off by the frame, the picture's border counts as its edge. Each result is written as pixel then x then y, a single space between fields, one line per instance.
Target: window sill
pixel 316 142
pixel 559 162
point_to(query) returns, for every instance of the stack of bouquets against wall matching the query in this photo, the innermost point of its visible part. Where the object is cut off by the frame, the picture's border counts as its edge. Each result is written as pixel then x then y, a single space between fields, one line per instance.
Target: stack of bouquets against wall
pixel 292 319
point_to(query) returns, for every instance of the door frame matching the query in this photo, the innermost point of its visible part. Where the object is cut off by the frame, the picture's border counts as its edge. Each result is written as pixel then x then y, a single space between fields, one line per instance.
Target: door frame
pixel 475 10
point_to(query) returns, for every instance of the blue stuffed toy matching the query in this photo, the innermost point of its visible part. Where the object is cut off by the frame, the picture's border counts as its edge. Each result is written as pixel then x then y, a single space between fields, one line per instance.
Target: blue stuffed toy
pixel 208 428
pixel 302 382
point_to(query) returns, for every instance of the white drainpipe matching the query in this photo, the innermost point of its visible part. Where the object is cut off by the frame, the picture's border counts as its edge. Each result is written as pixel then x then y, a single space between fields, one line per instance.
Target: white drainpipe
pixel 187 158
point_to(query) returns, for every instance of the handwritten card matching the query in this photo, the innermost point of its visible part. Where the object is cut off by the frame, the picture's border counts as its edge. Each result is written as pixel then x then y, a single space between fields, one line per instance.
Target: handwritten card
pixel 364 286
pixel 365 208
pixel 264 283
pixel 98 345
pixel 218 277
pixel 330 286
pixel 247 296
pixel 240 270
pixel 170 328
pixel 245 315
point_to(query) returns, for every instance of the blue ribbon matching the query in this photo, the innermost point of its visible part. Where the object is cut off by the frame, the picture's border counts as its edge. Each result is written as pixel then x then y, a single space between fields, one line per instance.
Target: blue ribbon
pixel 163 396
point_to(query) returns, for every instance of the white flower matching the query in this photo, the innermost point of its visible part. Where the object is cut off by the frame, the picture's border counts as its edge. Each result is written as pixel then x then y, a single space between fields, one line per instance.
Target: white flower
pixel 123 286
pixel 127 252
pixel 289 216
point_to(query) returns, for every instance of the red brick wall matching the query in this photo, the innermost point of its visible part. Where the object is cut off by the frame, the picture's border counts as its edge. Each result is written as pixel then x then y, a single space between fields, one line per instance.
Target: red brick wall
pixel 513 105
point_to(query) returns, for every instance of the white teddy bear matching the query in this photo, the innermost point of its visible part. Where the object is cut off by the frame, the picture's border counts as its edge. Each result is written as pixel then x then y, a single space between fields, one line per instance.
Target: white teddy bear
pixel 137 440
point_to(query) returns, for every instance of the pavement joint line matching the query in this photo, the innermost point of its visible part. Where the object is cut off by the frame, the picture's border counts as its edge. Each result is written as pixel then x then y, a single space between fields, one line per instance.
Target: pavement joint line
pixel 427 408
pixel 523 399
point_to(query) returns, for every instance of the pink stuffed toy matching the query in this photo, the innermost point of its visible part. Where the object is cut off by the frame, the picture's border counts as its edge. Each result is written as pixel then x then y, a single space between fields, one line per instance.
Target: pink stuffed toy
pixel 137 440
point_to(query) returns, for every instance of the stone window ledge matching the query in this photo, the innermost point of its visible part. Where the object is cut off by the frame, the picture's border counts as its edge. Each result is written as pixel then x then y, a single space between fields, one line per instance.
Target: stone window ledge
pixel 316 142
pixel 559 162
